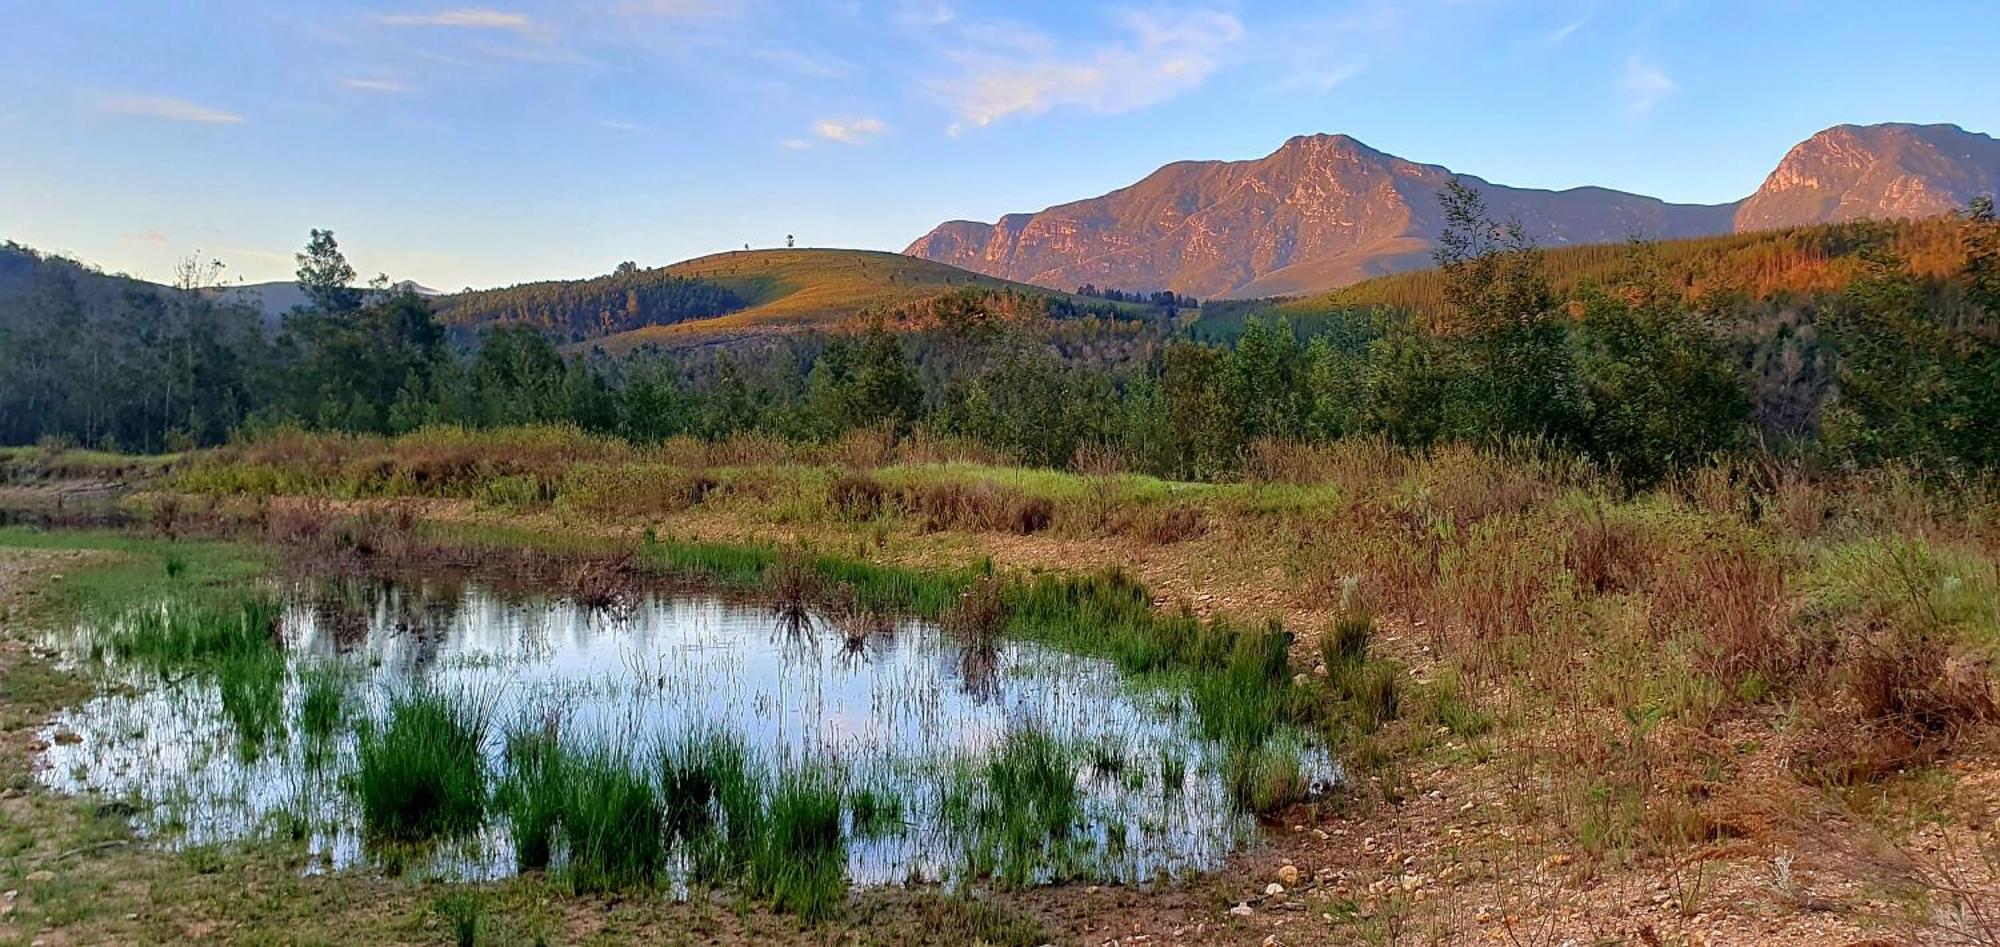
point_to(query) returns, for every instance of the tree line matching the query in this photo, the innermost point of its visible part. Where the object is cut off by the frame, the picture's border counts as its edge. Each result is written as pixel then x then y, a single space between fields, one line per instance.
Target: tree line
pixel 1626 368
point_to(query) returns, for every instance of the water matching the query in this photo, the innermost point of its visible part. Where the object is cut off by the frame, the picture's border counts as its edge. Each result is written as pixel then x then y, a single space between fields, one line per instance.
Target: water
pixel 902 709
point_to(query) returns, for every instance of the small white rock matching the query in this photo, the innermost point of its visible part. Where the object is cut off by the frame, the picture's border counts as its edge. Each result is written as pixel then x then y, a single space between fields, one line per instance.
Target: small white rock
pixel 1273 888
pixel 1242 909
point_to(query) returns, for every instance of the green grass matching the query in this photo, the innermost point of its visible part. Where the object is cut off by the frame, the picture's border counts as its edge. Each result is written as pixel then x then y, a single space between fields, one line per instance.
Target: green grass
pixel 1030 811
pixel 800 863
pixel 142 570
pixel 422 768
pixel 875 812
pixel 184 632
pixel 322 701
pixel 533 795
pixel 614 821
pixel 1265 777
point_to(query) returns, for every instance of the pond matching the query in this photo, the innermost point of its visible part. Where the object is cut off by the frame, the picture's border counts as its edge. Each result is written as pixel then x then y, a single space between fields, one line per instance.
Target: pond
pixel 911 724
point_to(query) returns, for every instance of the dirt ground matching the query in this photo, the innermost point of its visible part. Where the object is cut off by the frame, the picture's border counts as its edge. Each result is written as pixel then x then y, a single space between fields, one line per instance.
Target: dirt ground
pixel 1445 856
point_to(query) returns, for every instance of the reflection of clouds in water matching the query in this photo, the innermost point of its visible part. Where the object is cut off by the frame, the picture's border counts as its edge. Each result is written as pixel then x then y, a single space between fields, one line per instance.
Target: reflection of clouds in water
pixel 905 718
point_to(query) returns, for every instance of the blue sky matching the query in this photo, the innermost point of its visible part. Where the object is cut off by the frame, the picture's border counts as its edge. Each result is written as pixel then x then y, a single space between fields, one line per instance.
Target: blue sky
pixel 475 143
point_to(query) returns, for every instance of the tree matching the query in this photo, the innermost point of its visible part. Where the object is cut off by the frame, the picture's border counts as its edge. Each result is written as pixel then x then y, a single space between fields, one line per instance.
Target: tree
pixel 325 275
pixel 1518 377
pixel 1913 380
pixel 1659 390
pixel 1980 234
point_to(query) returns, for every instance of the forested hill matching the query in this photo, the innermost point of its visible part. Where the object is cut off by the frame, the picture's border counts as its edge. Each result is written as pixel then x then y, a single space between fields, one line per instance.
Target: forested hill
pixel 767 291
pixel 1795 265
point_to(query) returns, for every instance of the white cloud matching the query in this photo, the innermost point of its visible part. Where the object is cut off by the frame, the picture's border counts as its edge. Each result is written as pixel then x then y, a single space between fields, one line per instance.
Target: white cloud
pixel 1565 32
pixel 848 131
pixel 374 85
pixel 1006 69
pixel 1645 85
pixel 167 108
pixel 621 126
pixel 471 18
pixel 795 144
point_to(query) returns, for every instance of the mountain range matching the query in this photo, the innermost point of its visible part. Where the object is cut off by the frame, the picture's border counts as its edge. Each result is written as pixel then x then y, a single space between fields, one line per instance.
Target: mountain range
pixel 1327 210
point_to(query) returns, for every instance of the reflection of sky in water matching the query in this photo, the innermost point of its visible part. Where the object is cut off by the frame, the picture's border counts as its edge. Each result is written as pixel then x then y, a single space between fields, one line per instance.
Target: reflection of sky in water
pixel 899 712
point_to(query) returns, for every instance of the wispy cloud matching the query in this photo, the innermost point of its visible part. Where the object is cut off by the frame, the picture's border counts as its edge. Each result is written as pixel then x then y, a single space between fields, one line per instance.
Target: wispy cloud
pixel 469 18
pixel 166 108
pixel 147 236
pixel 851 131
pixel 1645 84
pixel 1005 69
pixel 621 126
pixel 389 86
pixel 795 144
pixel 1564 32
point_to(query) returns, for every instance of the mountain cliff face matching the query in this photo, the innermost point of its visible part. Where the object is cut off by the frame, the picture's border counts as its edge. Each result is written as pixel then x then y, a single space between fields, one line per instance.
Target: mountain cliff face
pixel 1856 172
pixel 1326 210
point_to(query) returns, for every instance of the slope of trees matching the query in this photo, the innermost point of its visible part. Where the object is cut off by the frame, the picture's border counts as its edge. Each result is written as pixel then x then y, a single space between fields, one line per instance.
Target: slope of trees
pixel 573 310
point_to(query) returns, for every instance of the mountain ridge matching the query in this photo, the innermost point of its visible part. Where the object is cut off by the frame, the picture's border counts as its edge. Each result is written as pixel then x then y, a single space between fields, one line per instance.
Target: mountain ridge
pixel 1325 210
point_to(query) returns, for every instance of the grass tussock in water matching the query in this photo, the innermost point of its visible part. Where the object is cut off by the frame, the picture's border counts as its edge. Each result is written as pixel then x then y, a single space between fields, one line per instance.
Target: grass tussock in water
pixel 1031 809
pixel 322 701
pixel 422 768
pixel 191 632
pixel 800 863
pixel 614 820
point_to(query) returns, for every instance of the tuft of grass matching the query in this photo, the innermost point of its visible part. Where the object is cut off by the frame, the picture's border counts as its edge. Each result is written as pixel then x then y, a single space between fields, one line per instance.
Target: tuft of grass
pixel 421 770
pixel 252 687
pixel 875 812
pixel 1265 778
pixel 187 631
pixel 323 701
pixel 533 794
pixel 614 822
pixel 1032 806
pixel 464 912
pixel 800 862
pixel 713 794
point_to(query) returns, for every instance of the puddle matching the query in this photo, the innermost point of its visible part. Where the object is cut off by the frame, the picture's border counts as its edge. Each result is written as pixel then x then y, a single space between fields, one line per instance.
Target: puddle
pixel 899 711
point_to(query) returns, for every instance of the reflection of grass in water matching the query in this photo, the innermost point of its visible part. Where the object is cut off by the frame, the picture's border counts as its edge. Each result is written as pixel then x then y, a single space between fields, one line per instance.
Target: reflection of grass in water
pixel 876 812
pixel 422 770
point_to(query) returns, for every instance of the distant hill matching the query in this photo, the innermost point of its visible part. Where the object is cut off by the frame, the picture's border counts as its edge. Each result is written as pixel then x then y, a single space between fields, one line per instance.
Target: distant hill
pixel 730 296
pixel 1326 210
pixel 278 298
pixel 710 300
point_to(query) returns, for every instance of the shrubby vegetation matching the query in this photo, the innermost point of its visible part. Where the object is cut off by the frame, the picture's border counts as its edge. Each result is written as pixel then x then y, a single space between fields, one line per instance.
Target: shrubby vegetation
pixel 1628 364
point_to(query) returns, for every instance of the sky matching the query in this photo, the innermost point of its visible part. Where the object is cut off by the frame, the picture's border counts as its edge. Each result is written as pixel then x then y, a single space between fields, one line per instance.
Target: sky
pixel 484 142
